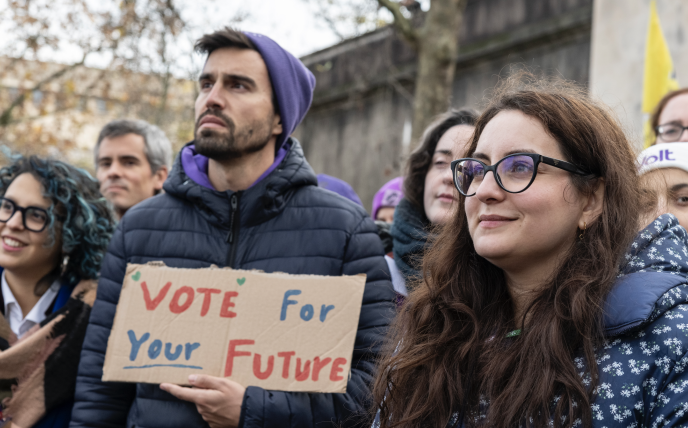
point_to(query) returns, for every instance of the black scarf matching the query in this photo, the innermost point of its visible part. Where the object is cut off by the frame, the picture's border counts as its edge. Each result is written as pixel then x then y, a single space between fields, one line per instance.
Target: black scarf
pixel 410 234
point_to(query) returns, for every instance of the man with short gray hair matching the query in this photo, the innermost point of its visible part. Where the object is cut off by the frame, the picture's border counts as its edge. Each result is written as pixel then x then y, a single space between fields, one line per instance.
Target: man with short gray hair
pixel 132 160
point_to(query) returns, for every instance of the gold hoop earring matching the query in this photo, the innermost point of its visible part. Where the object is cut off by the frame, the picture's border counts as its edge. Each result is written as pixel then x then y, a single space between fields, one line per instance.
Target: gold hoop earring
pixel 585 226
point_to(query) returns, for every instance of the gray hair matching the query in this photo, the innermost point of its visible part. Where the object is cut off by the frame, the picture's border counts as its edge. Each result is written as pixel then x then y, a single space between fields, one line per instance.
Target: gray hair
pixel 157 147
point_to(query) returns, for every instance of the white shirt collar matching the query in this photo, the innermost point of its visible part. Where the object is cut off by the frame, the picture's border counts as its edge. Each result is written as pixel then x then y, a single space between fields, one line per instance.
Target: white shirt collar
pixel 7 295
pixel 13 313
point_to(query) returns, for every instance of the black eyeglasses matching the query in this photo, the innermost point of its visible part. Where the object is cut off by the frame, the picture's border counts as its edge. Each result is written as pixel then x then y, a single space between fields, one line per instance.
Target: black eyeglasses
pixel 34 219
pixel 670 133
pixel 515 173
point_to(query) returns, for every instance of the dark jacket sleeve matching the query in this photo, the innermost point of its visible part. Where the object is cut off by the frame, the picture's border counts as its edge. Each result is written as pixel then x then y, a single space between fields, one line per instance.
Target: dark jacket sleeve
pixel 98 403
pixel 268 409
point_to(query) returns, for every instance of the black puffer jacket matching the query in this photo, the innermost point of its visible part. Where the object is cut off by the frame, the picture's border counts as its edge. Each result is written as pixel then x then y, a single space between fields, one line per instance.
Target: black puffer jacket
pixel 284 223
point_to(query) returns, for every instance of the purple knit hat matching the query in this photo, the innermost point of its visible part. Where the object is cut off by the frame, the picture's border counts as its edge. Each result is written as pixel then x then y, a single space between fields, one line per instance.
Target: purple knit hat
pixel 389 195
pixel 292 83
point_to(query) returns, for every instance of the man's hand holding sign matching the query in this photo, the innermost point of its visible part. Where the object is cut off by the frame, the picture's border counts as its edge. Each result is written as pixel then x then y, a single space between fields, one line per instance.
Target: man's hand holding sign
pixel 217 399
pixel 222 330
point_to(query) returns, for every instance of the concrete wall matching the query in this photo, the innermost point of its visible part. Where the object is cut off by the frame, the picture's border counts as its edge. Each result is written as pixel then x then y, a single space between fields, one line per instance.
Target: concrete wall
pixel 618 53
pixel 358 128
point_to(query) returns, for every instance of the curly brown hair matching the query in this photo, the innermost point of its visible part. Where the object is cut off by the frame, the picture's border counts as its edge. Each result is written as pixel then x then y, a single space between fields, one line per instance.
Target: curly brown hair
pixel 448 348
pixel 84 218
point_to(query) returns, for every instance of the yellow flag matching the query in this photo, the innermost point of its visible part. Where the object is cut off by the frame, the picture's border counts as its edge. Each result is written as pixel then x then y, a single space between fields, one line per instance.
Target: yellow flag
pixel 660 76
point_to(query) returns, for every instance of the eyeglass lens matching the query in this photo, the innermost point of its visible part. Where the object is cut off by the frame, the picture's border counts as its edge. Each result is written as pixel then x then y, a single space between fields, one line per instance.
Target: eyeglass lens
pixel 514 173
pixel 670 133
pixel 34 219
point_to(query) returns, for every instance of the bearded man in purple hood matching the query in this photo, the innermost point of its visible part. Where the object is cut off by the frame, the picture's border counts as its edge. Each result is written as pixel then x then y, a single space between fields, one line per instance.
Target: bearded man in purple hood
pixel 240 195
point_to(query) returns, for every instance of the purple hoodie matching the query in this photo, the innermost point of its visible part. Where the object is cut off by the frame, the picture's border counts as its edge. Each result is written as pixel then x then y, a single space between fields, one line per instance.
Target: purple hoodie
pixel 338 186
pixel 292 84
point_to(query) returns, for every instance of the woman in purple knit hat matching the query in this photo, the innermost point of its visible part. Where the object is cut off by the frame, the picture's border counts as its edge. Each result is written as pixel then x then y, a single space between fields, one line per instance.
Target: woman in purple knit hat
pixel 385 202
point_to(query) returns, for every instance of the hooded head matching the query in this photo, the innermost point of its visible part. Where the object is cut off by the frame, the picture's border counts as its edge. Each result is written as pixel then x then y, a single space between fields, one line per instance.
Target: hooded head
pixel 292 83
pixel 340 187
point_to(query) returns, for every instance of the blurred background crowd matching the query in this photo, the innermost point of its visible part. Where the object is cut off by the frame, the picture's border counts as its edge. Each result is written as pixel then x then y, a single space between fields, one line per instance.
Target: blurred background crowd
pixel 69 67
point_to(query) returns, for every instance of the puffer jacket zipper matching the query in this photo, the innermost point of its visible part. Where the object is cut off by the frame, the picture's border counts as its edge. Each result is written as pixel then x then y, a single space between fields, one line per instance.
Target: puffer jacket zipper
pixel 233 235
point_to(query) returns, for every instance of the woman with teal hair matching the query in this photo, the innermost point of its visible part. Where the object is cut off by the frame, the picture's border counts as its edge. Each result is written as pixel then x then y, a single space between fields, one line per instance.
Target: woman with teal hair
pixel 54 230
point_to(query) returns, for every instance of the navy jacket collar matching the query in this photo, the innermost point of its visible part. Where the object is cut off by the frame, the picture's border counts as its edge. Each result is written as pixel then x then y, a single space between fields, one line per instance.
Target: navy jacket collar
pixel 265 200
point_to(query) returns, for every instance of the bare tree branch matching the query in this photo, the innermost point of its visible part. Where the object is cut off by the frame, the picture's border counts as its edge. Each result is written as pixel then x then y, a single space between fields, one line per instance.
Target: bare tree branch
pixel 165 81
pixel 398 86
pixel 6 116
pixel 141 40
pixel 401 23
pixel 330 23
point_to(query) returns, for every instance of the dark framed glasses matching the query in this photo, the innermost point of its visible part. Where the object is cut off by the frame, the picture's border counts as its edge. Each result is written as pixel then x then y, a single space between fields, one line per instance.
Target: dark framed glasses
pixel 670 133
pixel 34 219
pixel 515 173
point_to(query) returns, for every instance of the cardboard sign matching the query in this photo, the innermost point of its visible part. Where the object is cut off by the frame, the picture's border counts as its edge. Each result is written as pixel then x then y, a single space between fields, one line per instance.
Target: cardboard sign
pixel 277 331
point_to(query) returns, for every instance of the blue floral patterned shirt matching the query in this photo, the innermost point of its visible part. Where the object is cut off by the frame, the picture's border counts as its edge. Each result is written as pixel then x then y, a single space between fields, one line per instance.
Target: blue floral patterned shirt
pixel 644 362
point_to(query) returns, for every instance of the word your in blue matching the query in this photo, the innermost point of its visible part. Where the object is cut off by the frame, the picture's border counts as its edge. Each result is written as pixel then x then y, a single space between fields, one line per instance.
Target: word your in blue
pixel 155 348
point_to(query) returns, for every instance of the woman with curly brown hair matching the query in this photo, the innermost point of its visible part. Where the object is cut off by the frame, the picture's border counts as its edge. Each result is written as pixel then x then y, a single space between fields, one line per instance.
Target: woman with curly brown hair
pixel 530 312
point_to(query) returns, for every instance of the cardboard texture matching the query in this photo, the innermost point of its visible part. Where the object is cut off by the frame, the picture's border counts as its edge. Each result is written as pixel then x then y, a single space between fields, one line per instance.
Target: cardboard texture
pixel 277 331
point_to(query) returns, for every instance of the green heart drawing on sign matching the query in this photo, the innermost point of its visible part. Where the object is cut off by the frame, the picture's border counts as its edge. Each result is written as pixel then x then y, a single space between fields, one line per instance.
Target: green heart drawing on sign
pixel 241 281
pixel 136 276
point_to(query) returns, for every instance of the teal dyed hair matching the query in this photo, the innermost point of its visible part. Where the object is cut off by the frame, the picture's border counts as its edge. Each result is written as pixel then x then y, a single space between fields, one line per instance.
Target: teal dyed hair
pixel 77 208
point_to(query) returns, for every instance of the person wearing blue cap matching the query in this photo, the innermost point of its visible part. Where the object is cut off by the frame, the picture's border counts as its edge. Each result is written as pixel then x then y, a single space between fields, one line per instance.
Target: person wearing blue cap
pixel 241 195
